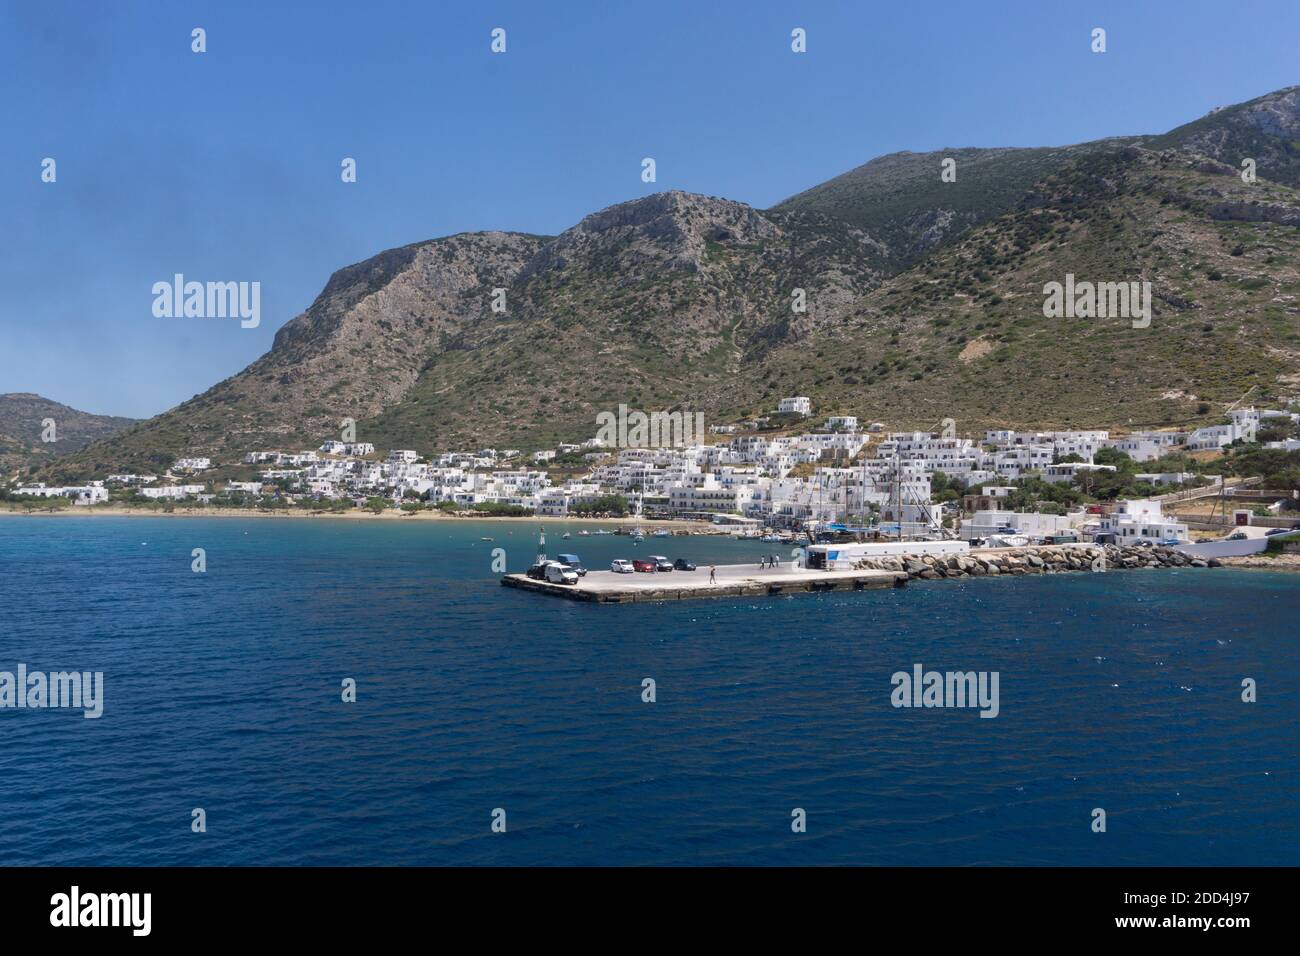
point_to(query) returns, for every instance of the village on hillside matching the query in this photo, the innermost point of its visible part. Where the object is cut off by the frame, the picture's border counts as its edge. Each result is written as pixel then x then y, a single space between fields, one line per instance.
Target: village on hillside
pixel 778 475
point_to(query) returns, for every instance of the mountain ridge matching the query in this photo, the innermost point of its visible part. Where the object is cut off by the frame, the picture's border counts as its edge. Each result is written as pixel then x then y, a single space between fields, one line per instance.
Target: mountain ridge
pixel 23 417
pixel 676 298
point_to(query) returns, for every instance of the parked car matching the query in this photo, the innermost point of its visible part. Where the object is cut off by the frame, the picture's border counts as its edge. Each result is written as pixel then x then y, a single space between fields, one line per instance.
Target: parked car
pixel 537 571
pixel 681 564
pixel 1145 543
pixel 557 573
pixel 1170 543
pixel 643 564
pixel 661 563
pixel 573 562
pixel 1277 531
pixel 1238 536
pixel 621 566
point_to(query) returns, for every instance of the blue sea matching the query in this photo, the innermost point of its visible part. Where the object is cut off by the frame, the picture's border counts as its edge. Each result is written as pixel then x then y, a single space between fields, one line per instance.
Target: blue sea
pixel 1119 691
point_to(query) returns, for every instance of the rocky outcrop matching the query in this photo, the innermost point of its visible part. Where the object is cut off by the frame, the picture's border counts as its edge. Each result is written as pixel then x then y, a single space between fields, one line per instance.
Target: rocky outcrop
pixel 1035 560
pixel 1275 212
pixel 672 228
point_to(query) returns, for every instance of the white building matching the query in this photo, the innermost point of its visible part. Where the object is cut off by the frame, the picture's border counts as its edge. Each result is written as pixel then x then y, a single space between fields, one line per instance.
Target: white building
pixel 130 479
pixel 799 405
pixel 1242 427
pixel 80 494
pixel 192 464
pixel 711 495
pixel 1165 477
pixel 244 487
pixel 171 491
pixel 1033 524
pixel 1068 471
pixel 1147 446
pixel 1141 519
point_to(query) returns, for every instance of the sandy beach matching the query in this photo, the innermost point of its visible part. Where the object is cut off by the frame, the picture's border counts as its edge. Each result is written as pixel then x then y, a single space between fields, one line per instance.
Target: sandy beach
pixel 356 514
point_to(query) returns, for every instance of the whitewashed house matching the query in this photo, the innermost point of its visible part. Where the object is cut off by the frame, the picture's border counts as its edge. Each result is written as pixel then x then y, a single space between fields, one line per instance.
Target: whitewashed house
pixel 1141 519
pixel 798 405
pixel 1242 426
pixel 171 491
pixel 1068 471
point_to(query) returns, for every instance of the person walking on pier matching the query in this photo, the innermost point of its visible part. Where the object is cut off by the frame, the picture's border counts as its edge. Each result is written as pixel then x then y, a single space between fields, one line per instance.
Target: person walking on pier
pixel 713 574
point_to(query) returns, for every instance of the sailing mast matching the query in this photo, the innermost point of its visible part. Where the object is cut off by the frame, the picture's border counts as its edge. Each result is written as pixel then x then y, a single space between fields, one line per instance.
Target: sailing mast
pixel 898 491
pixel 862 497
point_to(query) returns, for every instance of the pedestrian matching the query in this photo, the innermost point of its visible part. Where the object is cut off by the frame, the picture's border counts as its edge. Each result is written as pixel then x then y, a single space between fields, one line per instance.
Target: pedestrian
pixel 713 574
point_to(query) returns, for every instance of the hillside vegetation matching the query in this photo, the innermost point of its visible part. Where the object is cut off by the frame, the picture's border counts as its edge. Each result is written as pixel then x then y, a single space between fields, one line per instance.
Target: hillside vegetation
pixel 924 301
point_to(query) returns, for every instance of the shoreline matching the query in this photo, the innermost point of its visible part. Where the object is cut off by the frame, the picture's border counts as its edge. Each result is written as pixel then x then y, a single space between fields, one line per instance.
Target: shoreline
pixel 354 515
pixel 1258 562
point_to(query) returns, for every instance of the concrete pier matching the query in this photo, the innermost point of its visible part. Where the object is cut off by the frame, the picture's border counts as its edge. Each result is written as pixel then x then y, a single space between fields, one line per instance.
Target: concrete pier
pixel 733 580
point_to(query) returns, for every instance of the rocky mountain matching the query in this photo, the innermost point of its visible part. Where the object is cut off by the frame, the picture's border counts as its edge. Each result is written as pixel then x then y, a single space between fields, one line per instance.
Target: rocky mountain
pixel 23 418
pixel 901 199
pixel 1265 129
pixel 963 334
pixel 924 299
pixel 360 347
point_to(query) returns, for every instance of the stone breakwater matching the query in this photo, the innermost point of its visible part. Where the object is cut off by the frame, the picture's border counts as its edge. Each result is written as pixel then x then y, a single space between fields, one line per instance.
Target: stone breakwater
pixel 1040 560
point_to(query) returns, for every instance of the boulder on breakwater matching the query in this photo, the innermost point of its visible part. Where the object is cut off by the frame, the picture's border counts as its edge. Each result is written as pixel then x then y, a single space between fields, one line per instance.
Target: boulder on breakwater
pixel 1035 560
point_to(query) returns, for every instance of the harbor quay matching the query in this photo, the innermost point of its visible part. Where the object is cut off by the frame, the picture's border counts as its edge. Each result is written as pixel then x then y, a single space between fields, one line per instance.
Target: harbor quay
pixel 730 580
pixel 867 571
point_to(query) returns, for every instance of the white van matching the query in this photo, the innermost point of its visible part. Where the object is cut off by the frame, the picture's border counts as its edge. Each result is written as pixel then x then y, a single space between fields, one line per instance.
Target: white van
pixel 557 573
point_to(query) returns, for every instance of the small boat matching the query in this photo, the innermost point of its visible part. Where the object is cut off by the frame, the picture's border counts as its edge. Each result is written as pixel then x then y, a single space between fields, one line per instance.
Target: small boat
pixel 661 533
pixel 566 535
pixel 583 533
pixel 487 539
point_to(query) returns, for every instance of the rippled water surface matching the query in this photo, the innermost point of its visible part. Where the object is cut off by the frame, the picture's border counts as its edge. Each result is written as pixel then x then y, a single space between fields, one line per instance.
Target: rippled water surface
pixel 1118 690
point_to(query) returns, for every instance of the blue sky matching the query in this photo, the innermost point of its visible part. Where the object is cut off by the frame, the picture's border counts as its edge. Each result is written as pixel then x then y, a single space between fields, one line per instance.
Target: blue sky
pixel 225 165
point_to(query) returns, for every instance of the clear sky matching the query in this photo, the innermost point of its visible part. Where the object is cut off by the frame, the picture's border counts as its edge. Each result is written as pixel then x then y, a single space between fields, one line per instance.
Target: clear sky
pixel 225 165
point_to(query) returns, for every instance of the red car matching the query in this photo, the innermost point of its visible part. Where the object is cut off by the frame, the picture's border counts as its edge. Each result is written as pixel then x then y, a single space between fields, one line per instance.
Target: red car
pixel 640 564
